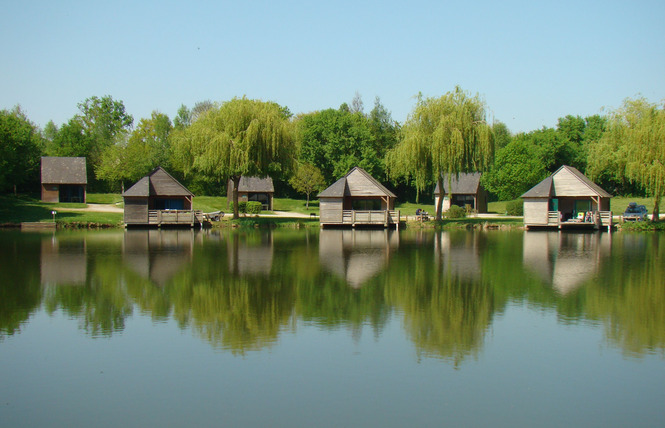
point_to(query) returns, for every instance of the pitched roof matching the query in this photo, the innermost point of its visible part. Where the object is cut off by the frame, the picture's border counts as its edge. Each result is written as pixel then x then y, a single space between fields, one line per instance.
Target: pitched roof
pixel 464 183
pixel 157 183
pixel 356 182
pixel 256 184
pixel 547 187
pixel 64 170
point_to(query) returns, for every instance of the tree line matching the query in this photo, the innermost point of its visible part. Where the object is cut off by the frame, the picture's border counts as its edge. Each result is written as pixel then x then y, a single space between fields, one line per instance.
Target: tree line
pixel 210 143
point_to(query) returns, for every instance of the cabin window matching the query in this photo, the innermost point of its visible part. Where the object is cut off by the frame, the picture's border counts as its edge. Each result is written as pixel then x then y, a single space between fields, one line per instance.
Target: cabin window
pixel 464 200
pixel 169 204
pixel 366 204
pixel 71 193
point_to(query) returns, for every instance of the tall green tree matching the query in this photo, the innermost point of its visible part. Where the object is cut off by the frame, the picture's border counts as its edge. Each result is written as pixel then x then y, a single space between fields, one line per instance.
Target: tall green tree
pixel 147 148
pixel 241 137
pixel 634 147
pixel 70 140
pixel 20 149
pixel 517 167
pixel 443 136
pixel 103 119
pixel 337 140
pixel 307 179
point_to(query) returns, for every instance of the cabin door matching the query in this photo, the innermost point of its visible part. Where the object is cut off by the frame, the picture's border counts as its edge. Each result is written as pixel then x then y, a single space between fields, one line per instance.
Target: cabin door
pixel 554 205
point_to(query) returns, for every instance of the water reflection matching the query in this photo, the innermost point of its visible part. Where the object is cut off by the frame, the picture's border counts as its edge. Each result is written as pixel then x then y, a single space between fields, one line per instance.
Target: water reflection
pixel 240 291
pixel 565 260
pixel 356 255
pixel 155 255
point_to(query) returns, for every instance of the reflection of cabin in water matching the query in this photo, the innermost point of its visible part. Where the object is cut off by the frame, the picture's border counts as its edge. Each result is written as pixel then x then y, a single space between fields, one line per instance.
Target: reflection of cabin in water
pixel 157 255
pixel 565 260
pixel 64 179
pixel 356 255
pixel 357 199
pixel 458 253
pixel 462 190
pixel 253 189
pixel 159 199
pixel 63 261
pixel 567 199
pixel 250 258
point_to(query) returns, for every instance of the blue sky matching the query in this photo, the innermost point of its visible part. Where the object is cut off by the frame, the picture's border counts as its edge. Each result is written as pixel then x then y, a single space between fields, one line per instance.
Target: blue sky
pixel 532 62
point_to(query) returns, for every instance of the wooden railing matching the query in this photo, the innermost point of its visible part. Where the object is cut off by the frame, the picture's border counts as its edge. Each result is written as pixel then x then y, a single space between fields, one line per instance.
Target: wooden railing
pixel 174 217
pixel 553 218
pixel 358 217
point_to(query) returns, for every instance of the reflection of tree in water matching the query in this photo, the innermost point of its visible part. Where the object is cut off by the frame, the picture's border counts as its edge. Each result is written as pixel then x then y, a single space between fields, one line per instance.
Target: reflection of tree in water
pixel 447 309
pixel 101 304
pixel 20 291
pixel 629 296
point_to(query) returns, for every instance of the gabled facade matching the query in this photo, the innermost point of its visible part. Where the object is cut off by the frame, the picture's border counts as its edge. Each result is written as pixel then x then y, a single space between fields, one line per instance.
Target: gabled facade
pixel 253 189
pixel 462 190
pixel 153 194
pixel 357 199
pixel 63 179
pixel 565 197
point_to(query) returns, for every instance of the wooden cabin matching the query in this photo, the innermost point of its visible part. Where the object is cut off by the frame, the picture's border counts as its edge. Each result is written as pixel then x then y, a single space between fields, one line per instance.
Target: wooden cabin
pixel 567 199
pixel 64 179
pixel 159 199
pixel 253 189
pixel 357 199
pixel 465 189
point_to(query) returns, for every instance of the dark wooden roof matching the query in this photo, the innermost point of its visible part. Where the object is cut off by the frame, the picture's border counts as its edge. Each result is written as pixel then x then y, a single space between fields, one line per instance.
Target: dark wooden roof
pixel 157 183
pixel 465 183
pixel 64 170
pixel 256 184
pixel 356 182
pixel 583 185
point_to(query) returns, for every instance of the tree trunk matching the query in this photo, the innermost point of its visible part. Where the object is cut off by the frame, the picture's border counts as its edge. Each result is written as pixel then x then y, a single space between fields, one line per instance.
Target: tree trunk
pixel 307 203
pixel 656 209
pixel 234 193
pixel 439 204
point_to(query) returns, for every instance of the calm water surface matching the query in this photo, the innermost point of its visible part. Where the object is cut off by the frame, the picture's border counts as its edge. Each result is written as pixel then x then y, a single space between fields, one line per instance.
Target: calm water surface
pixel 332 329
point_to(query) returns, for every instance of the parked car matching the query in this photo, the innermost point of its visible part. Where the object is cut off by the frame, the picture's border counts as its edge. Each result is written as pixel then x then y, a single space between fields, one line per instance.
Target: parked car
pixel 635 212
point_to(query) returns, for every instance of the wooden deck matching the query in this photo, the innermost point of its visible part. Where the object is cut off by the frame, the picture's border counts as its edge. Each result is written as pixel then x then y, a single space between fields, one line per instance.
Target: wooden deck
pixel 601 219
pixel 353 218
pixel 161 218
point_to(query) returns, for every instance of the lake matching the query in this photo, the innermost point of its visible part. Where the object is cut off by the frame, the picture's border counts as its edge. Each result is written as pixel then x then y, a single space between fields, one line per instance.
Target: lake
pixel 331 328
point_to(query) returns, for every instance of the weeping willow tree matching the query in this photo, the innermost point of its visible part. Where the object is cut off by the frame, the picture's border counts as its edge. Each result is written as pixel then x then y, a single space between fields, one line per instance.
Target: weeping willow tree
pixel 633 147
pixel 441 137
pixel 240 137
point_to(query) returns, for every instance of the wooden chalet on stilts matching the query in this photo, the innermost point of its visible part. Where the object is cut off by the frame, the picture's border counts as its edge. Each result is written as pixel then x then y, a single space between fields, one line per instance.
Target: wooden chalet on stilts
pixel 357 199
pixel 567 199
pixel 64 179
pixel 160 200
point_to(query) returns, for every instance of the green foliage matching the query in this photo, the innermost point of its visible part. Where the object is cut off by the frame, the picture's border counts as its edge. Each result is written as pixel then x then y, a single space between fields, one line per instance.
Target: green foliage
pixel 148 147
pixel 335 141
pixel 104 121
pixel 307 179
pixel 242 207
pixel 20 148
pixel 253 207
pixel 518 167
pixel 443 136
pixel 515 208
pixel 241 137
pixel 633 148
pixel 455 212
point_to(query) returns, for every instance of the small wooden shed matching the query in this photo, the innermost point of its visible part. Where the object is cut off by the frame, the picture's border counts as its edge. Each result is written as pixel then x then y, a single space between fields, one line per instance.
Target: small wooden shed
pixel 64 179
pixel 253 189
pixel 159 199
pixel 357 199
pixel 465 189
pixel 564 199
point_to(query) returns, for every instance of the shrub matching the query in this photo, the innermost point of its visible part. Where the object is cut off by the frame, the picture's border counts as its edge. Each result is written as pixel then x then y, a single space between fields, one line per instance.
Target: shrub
pixel 455 212
pixel 242 207
pixel 253 207
pixel 515 207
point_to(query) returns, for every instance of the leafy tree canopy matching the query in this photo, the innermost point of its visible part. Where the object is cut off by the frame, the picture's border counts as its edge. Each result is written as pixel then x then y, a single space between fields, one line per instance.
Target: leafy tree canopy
pixel 20 149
